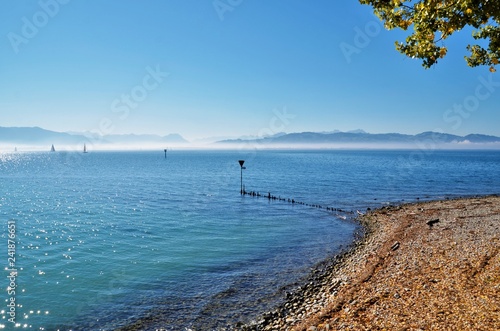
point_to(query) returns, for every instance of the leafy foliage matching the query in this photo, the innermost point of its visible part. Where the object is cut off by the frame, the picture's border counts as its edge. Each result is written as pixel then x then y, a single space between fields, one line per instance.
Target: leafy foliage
pixel 432 21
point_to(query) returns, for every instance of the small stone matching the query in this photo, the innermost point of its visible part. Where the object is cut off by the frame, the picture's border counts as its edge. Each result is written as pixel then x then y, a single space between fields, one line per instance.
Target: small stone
pixel 395 246
pixel 432 222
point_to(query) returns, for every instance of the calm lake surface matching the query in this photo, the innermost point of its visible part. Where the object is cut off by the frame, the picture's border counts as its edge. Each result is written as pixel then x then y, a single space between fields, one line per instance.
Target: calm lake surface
pixel 106 239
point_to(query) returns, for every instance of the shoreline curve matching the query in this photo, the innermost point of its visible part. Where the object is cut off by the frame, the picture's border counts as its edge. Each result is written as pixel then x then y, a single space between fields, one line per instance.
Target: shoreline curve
pixel 431 265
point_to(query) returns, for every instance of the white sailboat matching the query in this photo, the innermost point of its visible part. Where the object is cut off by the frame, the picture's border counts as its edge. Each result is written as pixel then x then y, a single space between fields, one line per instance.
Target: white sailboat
pixel 52 149
pixel 84 148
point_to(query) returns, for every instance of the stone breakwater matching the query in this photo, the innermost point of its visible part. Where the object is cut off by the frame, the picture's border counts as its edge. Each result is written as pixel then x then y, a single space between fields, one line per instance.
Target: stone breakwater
pixel 424 266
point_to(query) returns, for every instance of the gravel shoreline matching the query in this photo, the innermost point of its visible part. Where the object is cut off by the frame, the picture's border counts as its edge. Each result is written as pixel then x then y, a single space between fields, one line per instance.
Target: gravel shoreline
pixel 422 266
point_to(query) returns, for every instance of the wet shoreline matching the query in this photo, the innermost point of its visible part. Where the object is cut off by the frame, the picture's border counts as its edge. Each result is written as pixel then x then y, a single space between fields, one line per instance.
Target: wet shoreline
pixel 356 289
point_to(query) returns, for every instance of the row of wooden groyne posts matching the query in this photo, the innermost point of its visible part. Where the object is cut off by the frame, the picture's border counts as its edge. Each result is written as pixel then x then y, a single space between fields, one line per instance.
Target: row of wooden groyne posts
pixel 271 197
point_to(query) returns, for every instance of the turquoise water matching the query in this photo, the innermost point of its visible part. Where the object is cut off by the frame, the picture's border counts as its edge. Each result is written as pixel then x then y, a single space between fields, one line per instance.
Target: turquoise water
pixel 106 239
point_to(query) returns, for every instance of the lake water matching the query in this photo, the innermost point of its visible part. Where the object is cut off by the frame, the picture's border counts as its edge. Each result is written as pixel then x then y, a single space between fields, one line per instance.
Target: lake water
pixel 107 239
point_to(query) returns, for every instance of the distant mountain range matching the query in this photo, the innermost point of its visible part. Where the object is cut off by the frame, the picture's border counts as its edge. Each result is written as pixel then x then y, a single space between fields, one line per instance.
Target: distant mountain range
pixel 40 138
pixel 36 136
pixel 362 137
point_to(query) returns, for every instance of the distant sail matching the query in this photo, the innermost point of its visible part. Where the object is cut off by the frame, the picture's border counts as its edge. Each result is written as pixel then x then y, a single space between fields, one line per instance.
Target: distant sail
pixel 84 148
pixel 52 149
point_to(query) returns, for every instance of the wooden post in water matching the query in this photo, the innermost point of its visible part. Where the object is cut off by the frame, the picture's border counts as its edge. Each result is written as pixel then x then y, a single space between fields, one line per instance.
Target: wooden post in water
pixel 241 175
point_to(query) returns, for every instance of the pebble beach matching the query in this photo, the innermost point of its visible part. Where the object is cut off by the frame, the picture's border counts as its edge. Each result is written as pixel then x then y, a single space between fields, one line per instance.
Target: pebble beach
pixel 423 266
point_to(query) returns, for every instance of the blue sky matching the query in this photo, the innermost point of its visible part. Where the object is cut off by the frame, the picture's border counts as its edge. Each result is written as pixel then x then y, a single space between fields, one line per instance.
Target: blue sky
pixel 228 68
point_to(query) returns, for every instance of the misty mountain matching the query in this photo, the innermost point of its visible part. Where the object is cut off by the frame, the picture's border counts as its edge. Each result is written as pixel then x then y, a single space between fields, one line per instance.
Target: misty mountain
pixel 36 136
pixel 362 137
pixel 481 138
pixel 212 140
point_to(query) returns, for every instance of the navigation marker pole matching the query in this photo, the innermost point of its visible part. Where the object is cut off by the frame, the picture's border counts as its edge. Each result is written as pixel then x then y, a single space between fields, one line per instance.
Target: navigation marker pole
pixel 241 175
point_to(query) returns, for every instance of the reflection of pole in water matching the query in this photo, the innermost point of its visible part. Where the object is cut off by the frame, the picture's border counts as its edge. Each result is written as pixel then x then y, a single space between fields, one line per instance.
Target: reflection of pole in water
pixel 241 175
pixel 165 150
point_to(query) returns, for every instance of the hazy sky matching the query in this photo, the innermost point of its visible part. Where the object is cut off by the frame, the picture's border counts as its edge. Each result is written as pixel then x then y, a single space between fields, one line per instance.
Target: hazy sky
pixel 228 68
